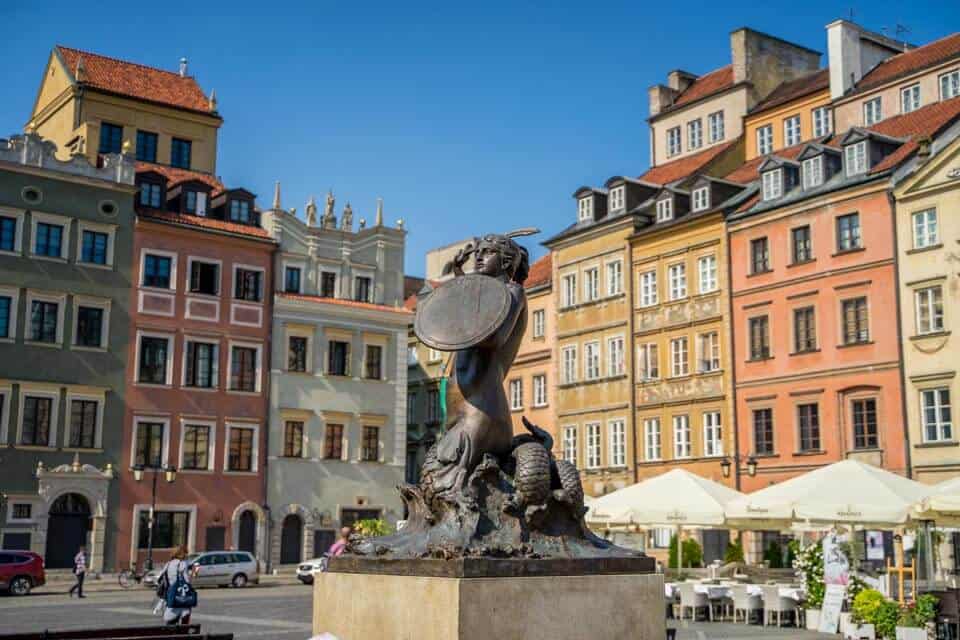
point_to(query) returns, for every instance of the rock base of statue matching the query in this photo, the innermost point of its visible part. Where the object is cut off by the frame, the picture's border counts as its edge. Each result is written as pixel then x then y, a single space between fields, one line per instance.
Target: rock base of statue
pixel 351 606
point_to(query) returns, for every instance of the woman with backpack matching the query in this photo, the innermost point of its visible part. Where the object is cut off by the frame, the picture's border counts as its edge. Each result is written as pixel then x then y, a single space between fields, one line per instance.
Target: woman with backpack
pixel 180 595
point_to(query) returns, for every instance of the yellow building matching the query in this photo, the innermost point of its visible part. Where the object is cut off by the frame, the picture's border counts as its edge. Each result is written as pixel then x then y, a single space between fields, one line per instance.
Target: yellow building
pixel 796 111
pixel 86 105
pixel 927 198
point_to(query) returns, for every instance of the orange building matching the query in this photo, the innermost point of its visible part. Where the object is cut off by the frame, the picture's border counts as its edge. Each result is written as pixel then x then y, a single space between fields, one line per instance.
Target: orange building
pixel 796 111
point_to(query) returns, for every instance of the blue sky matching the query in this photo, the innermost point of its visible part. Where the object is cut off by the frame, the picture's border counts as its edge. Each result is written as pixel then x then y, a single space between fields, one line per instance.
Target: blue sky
pixel 465 118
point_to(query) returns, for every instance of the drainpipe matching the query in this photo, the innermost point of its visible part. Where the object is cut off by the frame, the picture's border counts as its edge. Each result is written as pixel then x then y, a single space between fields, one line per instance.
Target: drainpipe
pixel 896 289
pixel 631 383
pixel 731 335
pixel 266 544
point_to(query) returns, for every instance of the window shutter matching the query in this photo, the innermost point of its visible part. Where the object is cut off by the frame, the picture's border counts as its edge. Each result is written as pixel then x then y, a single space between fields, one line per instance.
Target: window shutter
pixel 195 276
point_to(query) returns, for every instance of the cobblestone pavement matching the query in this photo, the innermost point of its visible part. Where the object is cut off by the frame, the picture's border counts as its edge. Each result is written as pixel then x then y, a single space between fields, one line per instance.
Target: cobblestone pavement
pixel 726 631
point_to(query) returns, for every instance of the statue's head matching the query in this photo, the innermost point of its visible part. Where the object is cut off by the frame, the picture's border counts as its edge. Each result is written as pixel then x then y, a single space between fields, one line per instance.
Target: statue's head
pixel 498 255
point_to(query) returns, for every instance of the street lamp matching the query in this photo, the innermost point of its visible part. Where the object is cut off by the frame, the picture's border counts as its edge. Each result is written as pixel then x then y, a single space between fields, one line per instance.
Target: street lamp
pixel 726 465
pixel 170 475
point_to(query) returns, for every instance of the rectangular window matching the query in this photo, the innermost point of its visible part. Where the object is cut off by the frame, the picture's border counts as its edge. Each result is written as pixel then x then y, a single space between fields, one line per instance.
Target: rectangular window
pixel 569 290
pixel 338 358
pixel 593 445
pixel 333 442
pixel 715 124
pixel 146 146
pixel 712 434
pixel 707 268
pixel 201 365
pixel 614 278
pixel 111 138
pixel 652 442
pixel 812 171
pixel 22 511
pixel 759 255
pixel 149 445
pixel 362 289
pixel 196 446
pixel 855 325
pixel 802 249
pixel 950 85
pixel 709 352
pixel 413 357
pixel 6 312
pixel 204 277
pixel 925 229
pixel 665 210
pixel 191 201
pixel 433 406
pixel 701 198
pixel 848 232
pixel 240 211
pixel 855 158
pixel 765 140
pixel 170 529
pixel 243 369
pixel 150 193
pixel 373 362
pixel 293 439
pixel 681 436
pixel 570 444
pixel 591 284
pixel 585 209
pixel 569 360
pixel 822 122
pixel 910 98
pixel 180 153
pixel 411 408
pixel 156 271
pixel 297 354
pixel 648 289
pixel 759 328
pixel 516 395
pixel 872 111
pixel 763 431
pixel 937 419
pixel 679 361
pixel 539 323
pixel 677 276
pixel 616 198
pixel 791 131
pixel 248 285
pixel 37 418
pixel 153 360
pixel 929 309
pixel 804 330
pixel 615 362
pixel 617 432
pixel 649 360
pixel 772 184
pixel 591 360
pixel 694 134
pixel 865 424
pixel 808 421
pixel 8 233
pixel 540 390
pixel 370 451
pixel 43 321
pixel 673 141
pixel 49 240
pixel 94 247
pixel 240 453
pixel 291 280
pixel 89 327
pixel 328 284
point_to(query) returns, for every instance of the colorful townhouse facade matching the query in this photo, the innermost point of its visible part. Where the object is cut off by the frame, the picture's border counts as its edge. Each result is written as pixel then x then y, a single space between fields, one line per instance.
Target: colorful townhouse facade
pixel 66 236
pixel 338 417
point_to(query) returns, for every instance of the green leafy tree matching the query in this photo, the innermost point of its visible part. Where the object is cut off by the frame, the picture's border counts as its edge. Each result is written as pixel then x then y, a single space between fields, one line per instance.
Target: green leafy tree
pixel 734 552
pixel 692 553
pixel 809 564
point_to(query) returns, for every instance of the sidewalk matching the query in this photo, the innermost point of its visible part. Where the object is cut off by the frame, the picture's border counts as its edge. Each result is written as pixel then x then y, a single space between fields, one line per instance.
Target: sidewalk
pixel 108 582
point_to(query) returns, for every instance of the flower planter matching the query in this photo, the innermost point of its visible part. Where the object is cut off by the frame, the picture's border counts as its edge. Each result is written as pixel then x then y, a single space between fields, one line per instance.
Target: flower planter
pixel 859 631
pixel 911 633
pixel 813 619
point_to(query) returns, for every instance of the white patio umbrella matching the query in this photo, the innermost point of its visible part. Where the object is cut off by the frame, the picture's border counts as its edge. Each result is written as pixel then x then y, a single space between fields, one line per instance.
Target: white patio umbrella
pixel 848 492
pixel 942 505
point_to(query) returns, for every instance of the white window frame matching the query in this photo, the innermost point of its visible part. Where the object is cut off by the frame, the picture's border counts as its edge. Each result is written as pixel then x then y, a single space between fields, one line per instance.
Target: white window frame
pixel 363 273
pixel 570 443
pixel 616 199
pixel 649 295
pixel 855 158
pixel 872 111
pixel 652 439
pixel 715 126
pixel 39 391
pixel 591 360
pixel 665 209
pixel 40 296
pixel 216 361
pixel 812 171
pixel 434 355
pixel 674 141
pixel 413 355
pixel 924 298
pixel 49 218
pixel 292 264
pixel 591 284
pixel 169 337
pixel 708 280
pixel 568 363
pixel 772 184
pixel 921 224
pixel 585 209
pixel 951 82
pixel 97 303
pixel 211 444
pixel 139 419
pixel 593 460
pixel 938 408
pixel 677 279
pixel 17 231
pixel 568 290
pixel 764 139
pixel 539 323
pixel 791 131
pixel 682 440
pixel 233 284
pixel 13 520
pixel 910 98
pixel 258 387
pixel 516 394
pixel 614 269
pixel 617 441
pixel 229 426
pixel 701 198
pixel 6 398
pixel 208 296
pixel 616 352
pixel 161 254
pixel 540 390
pixel 709 362
pixel 712 434
pixel 14 295
pixel 111 232
pixel 679 357
pixel 694 134
pixel 644 359
pixel 321 271
pixel 822 121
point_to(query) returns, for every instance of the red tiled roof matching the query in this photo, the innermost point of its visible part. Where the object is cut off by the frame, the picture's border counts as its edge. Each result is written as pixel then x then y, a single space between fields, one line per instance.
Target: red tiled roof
pixel 136 80
pixel 684 167
pixel 706 85
pixel 747 172
pixel 748 204
pixel 344 303
pixel 926 121
pixel 203 223
pixel 913 60
pixel 411 302
pixel 540 272
pixel 175 176
pixel 793 89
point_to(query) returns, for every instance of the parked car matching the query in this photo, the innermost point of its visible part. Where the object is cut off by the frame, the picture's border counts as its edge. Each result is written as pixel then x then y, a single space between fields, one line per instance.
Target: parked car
pixel 306 569
pixel 217 569
pixel 21 571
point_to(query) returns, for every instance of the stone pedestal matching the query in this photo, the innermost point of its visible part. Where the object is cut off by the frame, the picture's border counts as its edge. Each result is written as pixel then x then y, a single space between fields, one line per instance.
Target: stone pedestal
pixel 360 606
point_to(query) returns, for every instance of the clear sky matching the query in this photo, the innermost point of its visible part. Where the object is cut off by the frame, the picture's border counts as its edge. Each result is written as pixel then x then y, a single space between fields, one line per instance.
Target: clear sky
pixel 465 118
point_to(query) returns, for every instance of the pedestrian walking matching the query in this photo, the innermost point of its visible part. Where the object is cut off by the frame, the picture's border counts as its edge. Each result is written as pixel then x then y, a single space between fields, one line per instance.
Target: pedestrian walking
pixel 79 571
pixel 181 596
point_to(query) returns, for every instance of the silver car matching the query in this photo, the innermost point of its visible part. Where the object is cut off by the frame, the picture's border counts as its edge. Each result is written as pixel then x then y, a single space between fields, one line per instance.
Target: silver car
pixel 224 568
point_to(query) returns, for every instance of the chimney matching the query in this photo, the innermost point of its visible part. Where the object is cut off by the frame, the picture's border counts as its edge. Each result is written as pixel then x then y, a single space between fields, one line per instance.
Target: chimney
pixel 661 97
pixel 852 51
pixel 679 80
pixel 183 67
pixel 766 61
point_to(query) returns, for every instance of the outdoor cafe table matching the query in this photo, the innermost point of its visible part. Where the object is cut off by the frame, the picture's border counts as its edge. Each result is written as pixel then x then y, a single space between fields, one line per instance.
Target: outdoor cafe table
pixel 717 591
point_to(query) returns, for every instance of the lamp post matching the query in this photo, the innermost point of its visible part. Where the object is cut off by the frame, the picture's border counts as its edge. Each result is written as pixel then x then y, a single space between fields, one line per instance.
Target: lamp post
pixel 170 475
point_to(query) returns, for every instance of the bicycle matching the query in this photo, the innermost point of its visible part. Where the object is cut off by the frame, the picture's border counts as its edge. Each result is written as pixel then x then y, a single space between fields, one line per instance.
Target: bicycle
pixel 129 577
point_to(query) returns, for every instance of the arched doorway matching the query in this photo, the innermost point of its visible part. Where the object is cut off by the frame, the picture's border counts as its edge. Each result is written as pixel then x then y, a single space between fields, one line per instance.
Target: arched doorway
pixel 247 537
pixel 291 540
pixel 67 529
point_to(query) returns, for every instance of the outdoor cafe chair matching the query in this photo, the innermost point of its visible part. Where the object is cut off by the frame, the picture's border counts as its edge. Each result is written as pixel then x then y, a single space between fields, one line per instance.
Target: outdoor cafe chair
pixel 743 601
pixel 774 603
pixel 690 599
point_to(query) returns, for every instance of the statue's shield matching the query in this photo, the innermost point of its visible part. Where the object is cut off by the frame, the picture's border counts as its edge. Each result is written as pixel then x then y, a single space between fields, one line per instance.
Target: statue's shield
pixel 462 312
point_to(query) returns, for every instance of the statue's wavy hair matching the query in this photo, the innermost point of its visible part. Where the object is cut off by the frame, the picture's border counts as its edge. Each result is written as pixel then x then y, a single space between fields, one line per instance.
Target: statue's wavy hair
pixel 515 260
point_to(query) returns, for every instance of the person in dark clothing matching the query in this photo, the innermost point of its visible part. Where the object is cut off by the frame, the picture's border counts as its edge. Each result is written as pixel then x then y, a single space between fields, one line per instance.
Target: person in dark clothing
pixel 80 571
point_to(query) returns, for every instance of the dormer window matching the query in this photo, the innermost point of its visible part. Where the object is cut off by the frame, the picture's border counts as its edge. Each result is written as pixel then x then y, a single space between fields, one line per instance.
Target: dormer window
pixel 813 172
pixel 151 194
pixel 701 198
pixel 585 209
pixel 240 211
pixel 772 184
pixel 665 210
pixel 617 198
pixel 855 158
pixel 195 202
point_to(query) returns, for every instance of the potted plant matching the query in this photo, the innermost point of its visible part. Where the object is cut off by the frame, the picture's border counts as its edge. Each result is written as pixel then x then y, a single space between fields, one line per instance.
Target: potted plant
pixel 916 619
pixel 808 561
pixel 873 614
